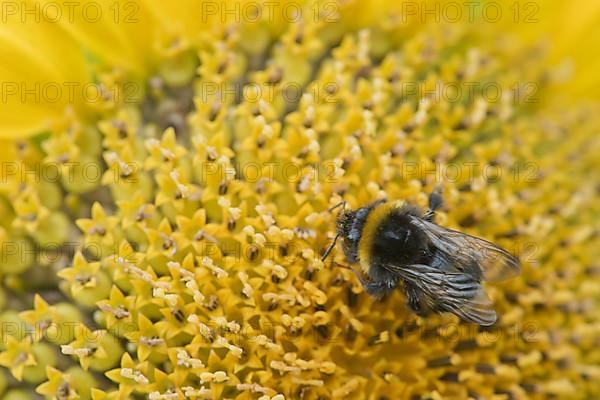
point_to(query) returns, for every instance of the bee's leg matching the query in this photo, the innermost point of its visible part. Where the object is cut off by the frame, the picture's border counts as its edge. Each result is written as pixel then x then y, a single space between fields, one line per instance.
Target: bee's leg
pixel 378 289
pixel 358 275
pixel 435 202
pixel 413 296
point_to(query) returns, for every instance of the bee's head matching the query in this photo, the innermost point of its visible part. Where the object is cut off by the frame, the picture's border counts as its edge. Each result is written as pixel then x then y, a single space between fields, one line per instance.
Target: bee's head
pixel 344 222
pixel 349 226
pixel 342 226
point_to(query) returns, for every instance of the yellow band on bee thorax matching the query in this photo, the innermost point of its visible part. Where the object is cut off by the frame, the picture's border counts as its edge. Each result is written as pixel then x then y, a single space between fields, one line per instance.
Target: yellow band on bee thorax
pixel 369 231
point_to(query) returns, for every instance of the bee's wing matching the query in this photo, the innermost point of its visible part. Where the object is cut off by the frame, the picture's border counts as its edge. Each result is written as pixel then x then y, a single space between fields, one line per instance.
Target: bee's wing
pixel 458 293
pixel 469 254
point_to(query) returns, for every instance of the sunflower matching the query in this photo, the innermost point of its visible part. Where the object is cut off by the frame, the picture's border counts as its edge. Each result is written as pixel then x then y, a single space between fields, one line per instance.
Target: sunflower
pixel 167 171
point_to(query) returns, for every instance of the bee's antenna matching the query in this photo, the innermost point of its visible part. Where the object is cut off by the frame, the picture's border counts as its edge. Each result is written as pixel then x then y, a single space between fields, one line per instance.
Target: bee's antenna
pixel 341 203
pixel 332 245
pixel 330 248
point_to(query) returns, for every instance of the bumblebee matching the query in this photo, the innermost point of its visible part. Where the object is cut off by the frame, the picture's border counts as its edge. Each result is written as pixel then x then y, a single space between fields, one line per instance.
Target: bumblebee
pixel 438 269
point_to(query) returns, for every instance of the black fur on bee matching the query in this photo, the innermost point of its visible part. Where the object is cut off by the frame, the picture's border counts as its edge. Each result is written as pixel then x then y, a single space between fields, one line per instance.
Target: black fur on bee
pixel 438 269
